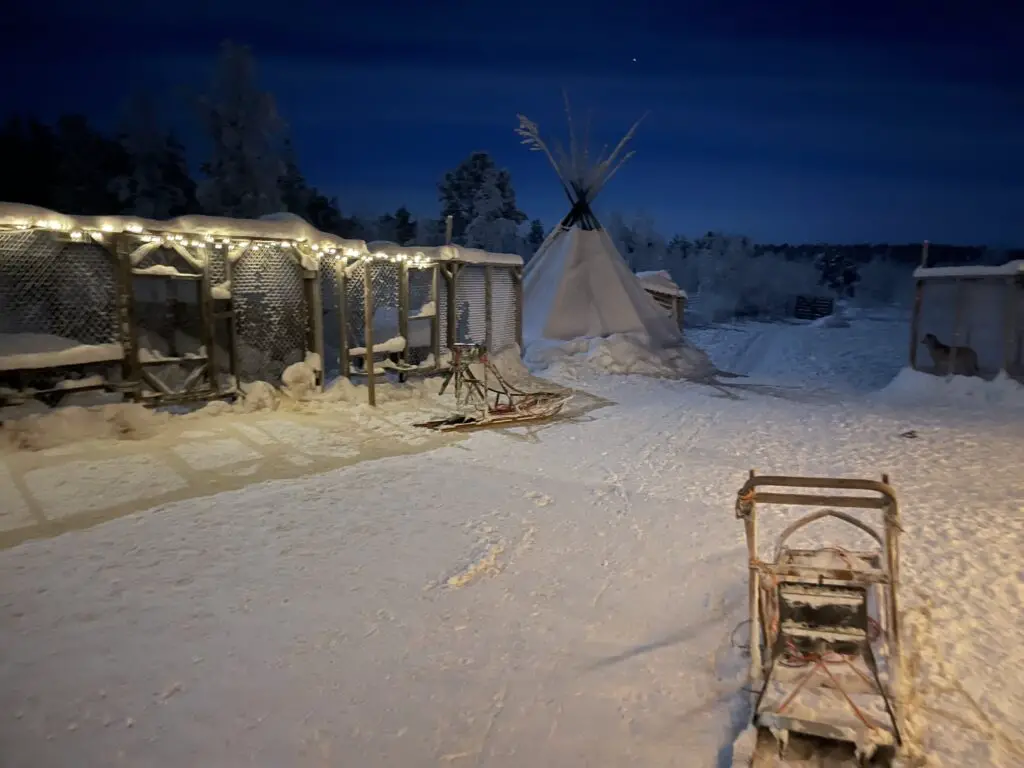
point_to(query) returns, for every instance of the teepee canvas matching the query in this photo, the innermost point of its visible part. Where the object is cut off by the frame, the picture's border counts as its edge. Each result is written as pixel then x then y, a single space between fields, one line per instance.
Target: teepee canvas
pixel 577 284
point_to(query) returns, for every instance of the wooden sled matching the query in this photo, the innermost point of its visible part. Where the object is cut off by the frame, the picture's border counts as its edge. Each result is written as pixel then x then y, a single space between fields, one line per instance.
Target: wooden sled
pixel 473 395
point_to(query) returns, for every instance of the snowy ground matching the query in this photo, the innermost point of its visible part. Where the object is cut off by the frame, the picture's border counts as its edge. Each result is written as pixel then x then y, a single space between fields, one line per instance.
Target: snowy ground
pixel 561 595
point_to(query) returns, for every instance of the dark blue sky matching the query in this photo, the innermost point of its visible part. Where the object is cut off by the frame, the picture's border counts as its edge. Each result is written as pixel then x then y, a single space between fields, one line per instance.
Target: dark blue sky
pixel 787 121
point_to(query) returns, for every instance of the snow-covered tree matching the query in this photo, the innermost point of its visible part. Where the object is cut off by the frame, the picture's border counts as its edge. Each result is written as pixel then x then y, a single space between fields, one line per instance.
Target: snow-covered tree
pixel 494 227
pixel 535 237
pixel 86 162
pixel 247 139
pixel 405 226
pixel 157 184
pixel 477 181
pixel 838 270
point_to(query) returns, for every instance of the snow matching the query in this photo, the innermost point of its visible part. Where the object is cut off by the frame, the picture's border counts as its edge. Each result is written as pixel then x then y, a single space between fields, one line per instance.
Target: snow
pixel 427 310
pixel 163 270
pixel 579 286
pixel 39 350
pixel 221 290
pixel 291 228
pixel 912 387
pixel 391 346
pixel 561 594
pixel 445 253
pixel 1009 269
pixel 620 353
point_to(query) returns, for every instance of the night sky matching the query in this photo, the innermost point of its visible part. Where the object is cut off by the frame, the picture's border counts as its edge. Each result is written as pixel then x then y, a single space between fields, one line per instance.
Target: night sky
pixel 786 120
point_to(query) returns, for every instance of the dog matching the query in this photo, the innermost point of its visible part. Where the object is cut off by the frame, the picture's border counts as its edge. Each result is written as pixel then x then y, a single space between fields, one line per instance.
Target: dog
pixel 963 359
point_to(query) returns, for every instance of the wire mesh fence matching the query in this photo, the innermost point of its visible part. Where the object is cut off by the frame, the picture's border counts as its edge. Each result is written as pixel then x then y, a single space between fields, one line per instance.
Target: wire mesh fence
pixel 253 304
pixel 471 305
pixel 504 311
pixel 331 269
pixel 271 310
pixel 57 289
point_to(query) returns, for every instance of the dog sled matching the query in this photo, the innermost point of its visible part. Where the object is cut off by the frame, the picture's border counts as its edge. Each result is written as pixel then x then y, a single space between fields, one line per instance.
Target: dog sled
pixel 484 398
pixel 824 635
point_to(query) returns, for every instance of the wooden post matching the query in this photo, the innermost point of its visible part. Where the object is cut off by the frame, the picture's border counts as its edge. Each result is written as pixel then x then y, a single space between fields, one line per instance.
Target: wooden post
pixel 517 285
pixel 403 312
pixel 488 307
pixel 232 319
pixel 753 594
pixel 206 317
pixel 961 295
pixel 924 254
pixel 1009 324
pixel 131 368
pixel 435 321
pixel 315 305
pixel 341 273
pixel 449 223
pixel 368 333
pixel 452 319
pixel 915 323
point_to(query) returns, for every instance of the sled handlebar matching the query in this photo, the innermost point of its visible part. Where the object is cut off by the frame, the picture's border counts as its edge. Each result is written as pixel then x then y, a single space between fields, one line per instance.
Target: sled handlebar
pixel 884 498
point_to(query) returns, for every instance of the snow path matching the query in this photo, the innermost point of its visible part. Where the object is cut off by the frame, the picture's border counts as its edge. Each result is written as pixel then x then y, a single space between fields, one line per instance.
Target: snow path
pixel 308 622
pixel 84 482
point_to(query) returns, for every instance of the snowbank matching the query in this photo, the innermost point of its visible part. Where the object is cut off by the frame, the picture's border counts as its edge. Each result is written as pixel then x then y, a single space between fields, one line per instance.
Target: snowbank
pixel 125 421
pixel 620 353
pixel 912 387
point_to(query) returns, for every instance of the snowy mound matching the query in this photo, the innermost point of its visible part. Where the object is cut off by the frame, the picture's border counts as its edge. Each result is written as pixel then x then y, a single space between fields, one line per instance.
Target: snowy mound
pixel 621 353
pixel 66 425
pixel 912 387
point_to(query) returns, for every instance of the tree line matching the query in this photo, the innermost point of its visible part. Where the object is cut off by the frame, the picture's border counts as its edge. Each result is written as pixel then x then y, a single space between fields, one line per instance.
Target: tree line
pixel 252 169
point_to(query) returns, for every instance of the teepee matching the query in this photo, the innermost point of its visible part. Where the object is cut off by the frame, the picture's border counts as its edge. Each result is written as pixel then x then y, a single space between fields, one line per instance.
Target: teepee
pixel 577 284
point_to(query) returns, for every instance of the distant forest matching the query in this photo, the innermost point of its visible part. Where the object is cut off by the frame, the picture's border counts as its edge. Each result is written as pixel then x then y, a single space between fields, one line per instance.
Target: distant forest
pixel 252 169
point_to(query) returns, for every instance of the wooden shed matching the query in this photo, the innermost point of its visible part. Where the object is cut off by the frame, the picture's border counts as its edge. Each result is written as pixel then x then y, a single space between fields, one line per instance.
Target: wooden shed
pixel 974 309
pixel 665 292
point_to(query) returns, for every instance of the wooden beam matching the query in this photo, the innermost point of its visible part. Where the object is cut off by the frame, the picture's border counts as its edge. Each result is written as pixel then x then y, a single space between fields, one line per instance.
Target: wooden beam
pixel 315 307
pixel 403 313
pixel 232 321
pixel 1009 324
pixel 488 307
pixel 958 319
pixel 131 370
pixel 341 273
pixel 517 280
pixel 915 323
pixel 435 321
pixel 208 328
pixel 368 332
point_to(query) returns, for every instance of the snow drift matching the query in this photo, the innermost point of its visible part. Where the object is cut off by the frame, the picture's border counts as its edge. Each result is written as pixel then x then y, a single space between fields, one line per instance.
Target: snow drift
pixel 621 353
pixel 123 421
pixel 912 387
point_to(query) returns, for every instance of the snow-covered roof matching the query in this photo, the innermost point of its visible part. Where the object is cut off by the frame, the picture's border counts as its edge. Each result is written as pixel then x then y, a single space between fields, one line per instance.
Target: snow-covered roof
pixel 1009 269
pixel 285 227
pixel 659 281
pixel 446 253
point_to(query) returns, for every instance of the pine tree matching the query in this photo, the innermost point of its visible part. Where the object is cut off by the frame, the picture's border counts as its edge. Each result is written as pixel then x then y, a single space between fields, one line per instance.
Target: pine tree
pixel 536 236
pixel 405 226
pixel 87 161
pixel 157 184
pixel 30 159
pixel 248 141
pixel 477 180
pixel 296 196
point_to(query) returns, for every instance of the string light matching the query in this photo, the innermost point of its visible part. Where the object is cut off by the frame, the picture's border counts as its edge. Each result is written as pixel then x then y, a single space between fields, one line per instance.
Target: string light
pixel 316 253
